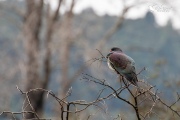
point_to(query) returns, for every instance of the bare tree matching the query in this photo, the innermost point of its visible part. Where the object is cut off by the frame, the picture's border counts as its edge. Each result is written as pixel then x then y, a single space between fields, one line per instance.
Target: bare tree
pixel 147 96
pixel 36 13
pixel 32 31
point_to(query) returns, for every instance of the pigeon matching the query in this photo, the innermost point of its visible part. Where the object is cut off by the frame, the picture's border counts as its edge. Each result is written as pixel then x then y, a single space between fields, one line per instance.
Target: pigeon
pixel 121 63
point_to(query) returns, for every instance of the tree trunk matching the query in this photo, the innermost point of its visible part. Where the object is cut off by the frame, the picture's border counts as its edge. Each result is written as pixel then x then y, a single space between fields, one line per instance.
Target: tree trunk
pixel 32 26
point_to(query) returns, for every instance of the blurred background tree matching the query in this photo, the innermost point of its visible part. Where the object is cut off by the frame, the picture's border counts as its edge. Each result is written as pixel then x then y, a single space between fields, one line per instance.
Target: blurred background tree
pixel 46 47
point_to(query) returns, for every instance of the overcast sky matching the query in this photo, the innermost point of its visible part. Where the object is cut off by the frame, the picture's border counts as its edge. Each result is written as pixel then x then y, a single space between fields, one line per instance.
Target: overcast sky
pixel 163 11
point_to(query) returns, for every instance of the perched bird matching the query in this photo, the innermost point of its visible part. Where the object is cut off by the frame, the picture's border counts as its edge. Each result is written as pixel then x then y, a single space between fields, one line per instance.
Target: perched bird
pixel 122 64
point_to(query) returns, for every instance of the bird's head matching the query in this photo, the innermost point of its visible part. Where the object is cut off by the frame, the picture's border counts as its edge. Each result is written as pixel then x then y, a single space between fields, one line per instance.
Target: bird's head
pixel 116 49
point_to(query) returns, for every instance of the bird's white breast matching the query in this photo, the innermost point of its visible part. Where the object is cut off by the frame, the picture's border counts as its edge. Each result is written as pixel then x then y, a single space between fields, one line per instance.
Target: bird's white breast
pixel 109 65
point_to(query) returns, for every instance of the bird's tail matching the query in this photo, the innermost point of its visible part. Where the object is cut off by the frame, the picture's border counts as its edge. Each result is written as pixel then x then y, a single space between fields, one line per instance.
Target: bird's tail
pixel 132 78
